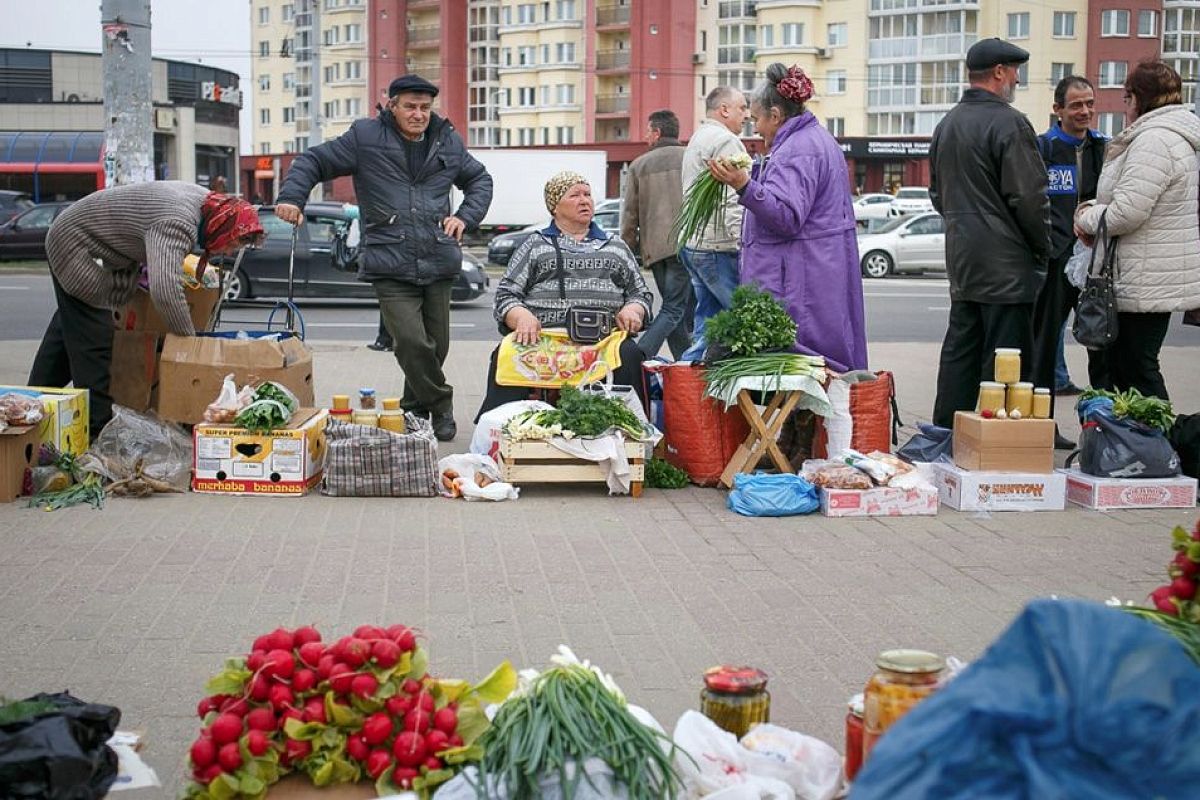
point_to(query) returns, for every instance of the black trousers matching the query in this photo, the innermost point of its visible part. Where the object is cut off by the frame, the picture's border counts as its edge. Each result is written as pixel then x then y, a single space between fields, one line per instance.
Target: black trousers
pixel 628 374
pixel 77 349
pixel 968 352
pixel 1131 362
pixel 1054 304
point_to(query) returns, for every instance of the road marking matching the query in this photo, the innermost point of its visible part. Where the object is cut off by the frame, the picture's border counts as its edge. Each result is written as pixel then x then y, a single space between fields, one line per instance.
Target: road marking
pixel 14 288
pixel 372 325
pixel 939 308
pixel 904 294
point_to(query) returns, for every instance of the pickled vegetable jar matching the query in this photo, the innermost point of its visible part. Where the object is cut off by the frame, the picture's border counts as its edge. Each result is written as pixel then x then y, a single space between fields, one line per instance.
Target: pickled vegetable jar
pixel 854 736
pixel 902 679
pixel 1020 398
pixel 1041 403
pixel 366 398
pixel 1008 365
pixel 991 396
pixel 735 698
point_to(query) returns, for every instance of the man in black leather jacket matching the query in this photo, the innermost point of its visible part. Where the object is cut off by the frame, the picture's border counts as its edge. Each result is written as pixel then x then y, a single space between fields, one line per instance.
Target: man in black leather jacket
pixel 989 183
pixel 404 163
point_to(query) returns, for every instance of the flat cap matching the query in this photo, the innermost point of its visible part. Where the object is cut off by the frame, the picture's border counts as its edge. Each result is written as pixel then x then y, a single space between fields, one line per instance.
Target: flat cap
pixel 988 53
pixel 411 83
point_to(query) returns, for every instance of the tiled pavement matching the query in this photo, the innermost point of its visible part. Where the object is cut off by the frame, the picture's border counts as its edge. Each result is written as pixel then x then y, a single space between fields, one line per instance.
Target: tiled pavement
pixel 137 604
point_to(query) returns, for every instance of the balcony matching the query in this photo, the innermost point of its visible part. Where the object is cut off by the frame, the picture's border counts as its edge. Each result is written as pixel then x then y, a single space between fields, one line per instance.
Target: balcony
pixel 899 47
pixel 612 60
pixel 422 5
pixel 424 36
pixel 608 16
pixel 612 104
pixel 430 72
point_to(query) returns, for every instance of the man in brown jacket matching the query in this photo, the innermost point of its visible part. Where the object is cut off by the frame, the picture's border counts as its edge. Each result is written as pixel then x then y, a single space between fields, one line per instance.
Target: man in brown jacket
pixel 650 204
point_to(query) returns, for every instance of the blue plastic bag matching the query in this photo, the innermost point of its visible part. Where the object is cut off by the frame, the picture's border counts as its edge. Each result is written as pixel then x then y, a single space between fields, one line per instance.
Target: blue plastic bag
pixel 1074 700
pixel 765 495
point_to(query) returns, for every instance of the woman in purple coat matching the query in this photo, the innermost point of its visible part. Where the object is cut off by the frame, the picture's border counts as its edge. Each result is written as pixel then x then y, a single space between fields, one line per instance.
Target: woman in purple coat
pixel 798 236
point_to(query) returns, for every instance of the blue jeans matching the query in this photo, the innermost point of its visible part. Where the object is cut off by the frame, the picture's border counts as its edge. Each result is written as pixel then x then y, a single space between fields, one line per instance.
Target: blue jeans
pixel 673 322
pixel 714 277
pixel 1061 376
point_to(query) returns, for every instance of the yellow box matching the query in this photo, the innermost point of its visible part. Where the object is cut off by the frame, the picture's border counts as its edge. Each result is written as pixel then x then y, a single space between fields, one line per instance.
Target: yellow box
pixel 66 422
pixel 287 461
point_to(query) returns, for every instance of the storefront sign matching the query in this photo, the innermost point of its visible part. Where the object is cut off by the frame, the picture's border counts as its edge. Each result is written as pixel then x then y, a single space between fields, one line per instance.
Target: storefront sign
pixel 210 90
pixel 864 147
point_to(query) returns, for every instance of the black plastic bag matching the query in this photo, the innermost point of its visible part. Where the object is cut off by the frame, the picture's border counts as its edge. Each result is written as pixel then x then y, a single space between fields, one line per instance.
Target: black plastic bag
pixel 59 754
pixel 1185 438
pixel 931 444
pixel 1118 447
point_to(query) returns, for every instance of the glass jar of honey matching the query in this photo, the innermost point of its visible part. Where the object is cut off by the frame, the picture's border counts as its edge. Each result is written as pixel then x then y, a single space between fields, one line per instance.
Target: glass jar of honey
pixel 391 418
pixel 735 698
pixel 854 736
pixel 1041 403
pixel 902 679
pixel 991 396
pixel 366 417
pixel 1020 398
pixel 341 402
pixel 1008 365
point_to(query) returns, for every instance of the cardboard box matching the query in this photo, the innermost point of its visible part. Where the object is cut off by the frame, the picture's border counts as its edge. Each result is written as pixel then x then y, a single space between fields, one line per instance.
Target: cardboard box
pixel 232 460
pixel 1105 494
pixel 1000 491
pixel 883 501
pixel 18 451
pixel 192 368
pixel 142 315
pixel 66 422
pixel 1003 445
pixel 133 375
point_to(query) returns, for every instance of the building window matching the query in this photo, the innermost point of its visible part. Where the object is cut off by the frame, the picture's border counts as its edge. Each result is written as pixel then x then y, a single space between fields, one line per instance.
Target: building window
pixel 264 15
pixel 545 136
pixel 766 35
pixel 288 12
pixel 743 79
pixel 565 52
pixel 836 125
pixel 353 33
pixel 354 107
pixel 735 44
pixel 289 115
pixel 565 94
pixel 353 70
pixel 264 148
pixel 526 15
pixel 525 96
pixel 835 81
pixel 526 56
pixel 264 49
pixel 331 35
pixel 1111 122
pixel 731 9
pixel 1147 23
pixel 1064 24
pixel 289 81
pixel 290 147
pixel 1023 76
pixel 1060 70
pixel 333 73
pixel 836 35
pixel 1114 22
pixel 1112 74
pixel 793 34
pixel 565 134
pixel 1018 25
pixel 565 9
pixel 333 109
pixel 526 136
pixel 264 83
pixel 264 116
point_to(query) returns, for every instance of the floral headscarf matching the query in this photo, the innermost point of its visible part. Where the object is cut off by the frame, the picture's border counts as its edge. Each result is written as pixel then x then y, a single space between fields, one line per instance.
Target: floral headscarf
pixel 796 86
pixel 559 185
pixel 225 220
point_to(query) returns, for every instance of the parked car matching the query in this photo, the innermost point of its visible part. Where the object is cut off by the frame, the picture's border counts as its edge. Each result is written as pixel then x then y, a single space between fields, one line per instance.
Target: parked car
pixel 911 200
pixel 13 203
pixel 264 270
pixel 502 246
pixel 872 206
pixel 24 236
pixel 904 244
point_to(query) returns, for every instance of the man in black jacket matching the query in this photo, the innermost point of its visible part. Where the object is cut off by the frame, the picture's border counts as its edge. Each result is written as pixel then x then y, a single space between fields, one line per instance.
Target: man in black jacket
pixel 404 163
pixel 1074 155
pixel 989 184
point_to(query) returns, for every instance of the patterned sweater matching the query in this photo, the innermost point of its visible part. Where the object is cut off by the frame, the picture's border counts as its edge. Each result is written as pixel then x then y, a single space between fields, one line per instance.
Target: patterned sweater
pixel 155 224
pixel 600 271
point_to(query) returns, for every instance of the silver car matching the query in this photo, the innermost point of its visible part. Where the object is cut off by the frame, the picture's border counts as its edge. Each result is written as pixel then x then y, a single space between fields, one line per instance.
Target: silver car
pixel 904 244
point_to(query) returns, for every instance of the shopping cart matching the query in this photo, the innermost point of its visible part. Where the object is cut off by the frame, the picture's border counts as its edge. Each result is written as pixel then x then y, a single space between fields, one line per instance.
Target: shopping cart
pixel 293 320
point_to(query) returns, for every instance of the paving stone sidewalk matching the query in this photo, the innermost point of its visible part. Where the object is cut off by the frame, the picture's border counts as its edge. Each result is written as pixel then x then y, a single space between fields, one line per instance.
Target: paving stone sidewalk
pixel 137 604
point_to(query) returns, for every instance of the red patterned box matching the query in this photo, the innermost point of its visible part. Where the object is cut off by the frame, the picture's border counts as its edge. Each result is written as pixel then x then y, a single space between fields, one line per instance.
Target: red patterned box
pixel 1105 494
pixel 881 502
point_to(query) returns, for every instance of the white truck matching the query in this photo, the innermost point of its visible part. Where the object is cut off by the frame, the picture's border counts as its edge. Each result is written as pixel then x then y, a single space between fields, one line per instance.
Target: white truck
pixel 519 176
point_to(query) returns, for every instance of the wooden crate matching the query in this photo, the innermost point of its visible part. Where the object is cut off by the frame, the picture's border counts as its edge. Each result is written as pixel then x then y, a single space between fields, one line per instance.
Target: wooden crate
pixel 541 462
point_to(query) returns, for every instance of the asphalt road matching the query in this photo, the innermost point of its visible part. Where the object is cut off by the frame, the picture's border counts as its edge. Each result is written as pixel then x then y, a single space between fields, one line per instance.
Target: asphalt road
pixel 909 309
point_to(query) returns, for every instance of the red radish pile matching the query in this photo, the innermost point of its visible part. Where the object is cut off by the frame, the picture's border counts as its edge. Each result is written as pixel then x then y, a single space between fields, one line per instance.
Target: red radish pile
pixel 361 708
pixel 1178 598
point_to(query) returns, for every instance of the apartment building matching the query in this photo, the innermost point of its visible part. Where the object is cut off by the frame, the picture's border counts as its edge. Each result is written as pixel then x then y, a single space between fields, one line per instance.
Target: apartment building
pixel 1124 32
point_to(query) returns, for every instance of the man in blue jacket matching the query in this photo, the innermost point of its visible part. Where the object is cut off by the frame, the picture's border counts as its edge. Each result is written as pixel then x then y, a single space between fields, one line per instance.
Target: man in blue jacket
pixel 404 162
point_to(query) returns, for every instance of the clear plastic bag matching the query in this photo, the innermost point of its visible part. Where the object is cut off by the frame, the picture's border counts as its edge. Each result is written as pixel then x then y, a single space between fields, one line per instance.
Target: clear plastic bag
pixel 834 475
pixel 473 477
pixel 133 444
pixel 20 409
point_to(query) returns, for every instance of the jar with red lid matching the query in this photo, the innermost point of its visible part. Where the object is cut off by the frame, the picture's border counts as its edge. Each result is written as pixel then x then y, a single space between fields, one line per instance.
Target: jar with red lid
pixel 854 736
pixel 735 698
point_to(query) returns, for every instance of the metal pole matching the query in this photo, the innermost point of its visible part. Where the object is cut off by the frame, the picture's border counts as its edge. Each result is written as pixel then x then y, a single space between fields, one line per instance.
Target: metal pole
pixel 128 101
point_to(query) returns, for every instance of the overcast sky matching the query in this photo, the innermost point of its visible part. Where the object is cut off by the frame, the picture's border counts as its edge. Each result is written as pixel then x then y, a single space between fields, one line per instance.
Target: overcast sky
pixel 214 32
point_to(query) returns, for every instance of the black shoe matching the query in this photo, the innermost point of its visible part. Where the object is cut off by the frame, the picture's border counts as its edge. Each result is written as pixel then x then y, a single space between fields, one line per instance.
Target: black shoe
pixel 1069 389
pixel 379 345
pixel 444 427
pixel 1062 443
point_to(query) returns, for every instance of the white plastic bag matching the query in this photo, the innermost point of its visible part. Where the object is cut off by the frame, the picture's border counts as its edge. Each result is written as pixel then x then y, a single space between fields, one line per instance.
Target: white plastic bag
pixel 720 767
pixel 839 426
pixel 1078 264
pixel 467 468
pixel 486 439
pixel 814 769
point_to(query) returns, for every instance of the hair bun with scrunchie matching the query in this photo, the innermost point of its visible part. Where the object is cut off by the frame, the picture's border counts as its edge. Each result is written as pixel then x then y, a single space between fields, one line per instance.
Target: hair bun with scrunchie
pixel 795 85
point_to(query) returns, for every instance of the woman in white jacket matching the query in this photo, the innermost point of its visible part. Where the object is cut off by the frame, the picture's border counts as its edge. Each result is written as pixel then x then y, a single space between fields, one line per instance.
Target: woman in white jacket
pixel 1149 188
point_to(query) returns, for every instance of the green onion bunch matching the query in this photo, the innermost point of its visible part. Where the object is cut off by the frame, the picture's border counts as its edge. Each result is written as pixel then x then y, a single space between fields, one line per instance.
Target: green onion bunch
pixel 722 375
pixel 1188 633
pixel 704 201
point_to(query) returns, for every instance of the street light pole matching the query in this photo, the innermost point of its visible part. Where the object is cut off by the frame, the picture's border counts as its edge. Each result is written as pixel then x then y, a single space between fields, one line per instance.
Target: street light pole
pixel 128 101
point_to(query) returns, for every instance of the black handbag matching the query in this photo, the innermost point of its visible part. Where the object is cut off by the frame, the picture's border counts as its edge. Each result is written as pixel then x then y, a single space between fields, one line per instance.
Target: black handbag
pixel 1096 323
pixel 585 324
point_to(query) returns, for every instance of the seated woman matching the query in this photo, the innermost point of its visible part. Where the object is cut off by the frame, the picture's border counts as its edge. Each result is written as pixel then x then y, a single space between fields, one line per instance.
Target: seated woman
pixel 598 271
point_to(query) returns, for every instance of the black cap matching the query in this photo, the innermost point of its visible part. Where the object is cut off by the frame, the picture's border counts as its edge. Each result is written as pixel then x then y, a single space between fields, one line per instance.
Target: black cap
pixel 412 83
pixel 987 53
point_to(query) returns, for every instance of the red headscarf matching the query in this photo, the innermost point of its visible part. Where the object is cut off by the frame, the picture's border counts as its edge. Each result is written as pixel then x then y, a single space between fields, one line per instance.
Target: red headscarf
pixel 796 86
pixel 226 220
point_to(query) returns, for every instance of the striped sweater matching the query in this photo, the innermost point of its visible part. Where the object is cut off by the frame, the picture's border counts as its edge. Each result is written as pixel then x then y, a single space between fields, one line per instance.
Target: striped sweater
pixel 97 246
pixel 597 272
